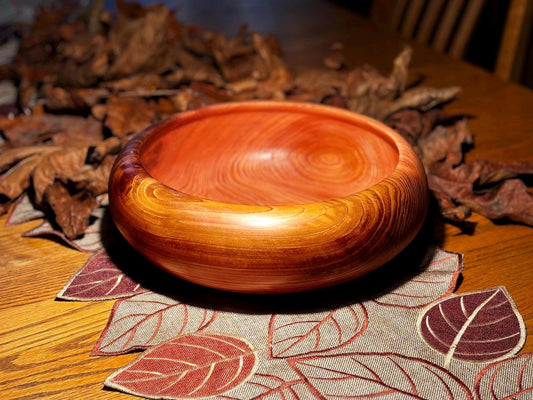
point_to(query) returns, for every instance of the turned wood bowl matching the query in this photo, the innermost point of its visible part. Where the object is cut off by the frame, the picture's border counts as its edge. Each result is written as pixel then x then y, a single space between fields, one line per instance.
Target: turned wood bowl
pixel 268 197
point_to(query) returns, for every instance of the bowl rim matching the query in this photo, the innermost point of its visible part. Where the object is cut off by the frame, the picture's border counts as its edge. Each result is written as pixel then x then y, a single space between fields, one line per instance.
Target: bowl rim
pixel 136 145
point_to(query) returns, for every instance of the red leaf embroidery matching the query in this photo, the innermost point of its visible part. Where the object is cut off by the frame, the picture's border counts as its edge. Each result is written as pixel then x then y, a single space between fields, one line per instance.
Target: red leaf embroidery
pixel 289 336
pixel 440 270
pixel 379 375
pixel 477 326
pixel 262 386
pixel 507 379
pixel 99 279
pixel 148 319
pixel 188 366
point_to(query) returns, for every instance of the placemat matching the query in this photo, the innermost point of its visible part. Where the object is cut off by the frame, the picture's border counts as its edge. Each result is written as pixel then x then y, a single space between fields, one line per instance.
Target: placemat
pixel 398 333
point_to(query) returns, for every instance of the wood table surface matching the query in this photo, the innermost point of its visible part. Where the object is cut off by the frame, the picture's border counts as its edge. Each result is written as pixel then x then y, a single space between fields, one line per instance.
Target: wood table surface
pixel 45 344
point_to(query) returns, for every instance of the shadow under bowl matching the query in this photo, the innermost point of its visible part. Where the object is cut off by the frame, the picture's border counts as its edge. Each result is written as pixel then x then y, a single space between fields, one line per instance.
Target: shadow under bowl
pixel 268 197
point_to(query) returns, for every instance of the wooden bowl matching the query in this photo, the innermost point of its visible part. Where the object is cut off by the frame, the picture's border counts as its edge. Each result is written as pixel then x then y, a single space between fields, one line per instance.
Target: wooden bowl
pixel 268 197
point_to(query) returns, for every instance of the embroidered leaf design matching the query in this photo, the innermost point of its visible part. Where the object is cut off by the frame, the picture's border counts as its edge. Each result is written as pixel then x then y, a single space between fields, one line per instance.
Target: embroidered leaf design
pixel 148 319
pixel 262 386
pixel 99 279
pixel 438 276
pixel 23 211
pixel 379 375
pixel 476 326
pixel 188 366
pixel 511 378
pixel 291 335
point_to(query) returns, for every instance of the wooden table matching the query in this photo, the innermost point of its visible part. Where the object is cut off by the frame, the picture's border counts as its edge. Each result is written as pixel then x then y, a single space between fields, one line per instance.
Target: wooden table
pixel 45 344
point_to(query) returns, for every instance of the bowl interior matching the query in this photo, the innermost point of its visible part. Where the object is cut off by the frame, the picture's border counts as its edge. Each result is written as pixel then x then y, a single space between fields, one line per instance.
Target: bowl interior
pixel 269 157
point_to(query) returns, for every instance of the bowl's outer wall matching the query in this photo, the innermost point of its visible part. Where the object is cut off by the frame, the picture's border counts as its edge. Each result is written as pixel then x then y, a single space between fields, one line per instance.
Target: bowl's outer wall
pixel 268 249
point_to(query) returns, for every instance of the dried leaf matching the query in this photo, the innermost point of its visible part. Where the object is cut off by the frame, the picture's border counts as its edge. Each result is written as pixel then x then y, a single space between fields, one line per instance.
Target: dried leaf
pixel 58 98
pixel 195 69
pixel 65 162
pixel 444 147
pixel 482 173
pixel 89 242
pixel 476 326
pixel 509 199
pixel 480 186
pixel 414 124
pixel 141 42
pixel 13 156
pixel 28 130
pixel 72 212
pixel 511 378
pixel 315 84
pixel 276 85
pixel 315 333
pixel 421 98
pixel 23 211
pixel 17 179
pixel 99 279
pixel 371 93
pixel 366 82
pixel 142 82
pixel 110 146
pixel 188 366
pixel 148 319
pixel 400 69
pixel 267 59
pixel 221 48
pixel 84 61
pixel 196 96
pixel 93 180
pixel 127 115
pixel 448 208
pixel 99 111
pixel 374 375
pixel 154 66
pixel 335 58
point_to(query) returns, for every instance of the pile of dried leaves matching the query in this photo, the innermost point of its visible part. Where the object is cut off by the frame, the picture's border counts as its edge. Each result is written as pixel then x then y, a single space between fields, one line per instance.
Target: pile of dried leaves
pixel 86 85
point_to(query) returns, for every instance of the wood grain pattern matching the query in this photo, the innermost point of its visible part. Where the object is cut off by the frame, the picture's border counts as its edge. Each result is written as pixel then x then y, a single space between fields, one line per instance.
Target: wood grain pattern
pixel 45 344
pixel 268 197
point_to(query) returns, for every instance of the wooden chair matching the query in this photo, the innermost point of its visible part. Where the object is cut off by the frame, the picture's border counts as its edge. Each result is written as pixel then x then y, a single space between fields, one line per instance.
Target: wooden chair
pixel 515 40
pixel 447 26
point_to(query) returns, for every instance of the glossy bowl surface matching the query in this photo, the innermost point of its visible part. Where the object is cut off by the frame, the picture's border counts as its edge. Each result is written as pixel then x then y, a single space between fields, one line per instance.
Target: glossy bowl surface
pixel 268 197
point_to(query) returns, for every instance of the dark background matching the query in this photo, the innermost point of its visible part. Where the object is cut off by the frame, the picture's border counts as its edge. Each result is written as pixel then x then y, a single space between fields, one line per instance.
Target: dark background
pixel 482 49
pixel 485 42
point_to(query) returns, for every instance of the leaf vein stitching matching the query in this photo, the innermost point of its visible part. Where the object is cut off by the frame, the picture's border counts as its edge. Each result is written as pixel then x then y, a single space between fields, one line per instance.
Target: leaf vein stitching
pixel 463 329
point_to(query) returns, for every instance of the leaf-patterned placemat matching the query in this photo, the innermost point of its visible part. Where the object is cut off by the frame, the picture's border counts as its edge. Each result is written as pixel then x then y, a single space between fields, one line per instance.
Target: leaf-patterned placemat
pixel 398 333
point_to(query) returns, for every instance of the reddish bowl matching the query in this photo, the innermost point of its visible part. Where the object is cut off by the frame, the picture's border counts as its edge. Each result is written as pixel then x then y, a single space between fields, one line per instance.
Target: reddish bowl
pixel 268 197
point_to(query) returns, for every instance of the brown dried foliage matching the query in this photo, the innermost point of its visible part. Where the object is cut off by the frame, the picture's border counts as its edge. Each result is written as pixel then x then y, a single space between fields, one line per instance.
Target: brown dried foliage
pixel 107 77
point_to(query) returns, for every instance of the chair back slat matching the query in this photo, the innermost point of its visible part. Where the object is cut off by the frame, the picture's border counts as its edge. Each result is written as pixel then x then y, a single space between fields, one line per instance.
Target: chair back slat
pixel 428 23
pixel 466 27
pixel 514 44
pixel 447 24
